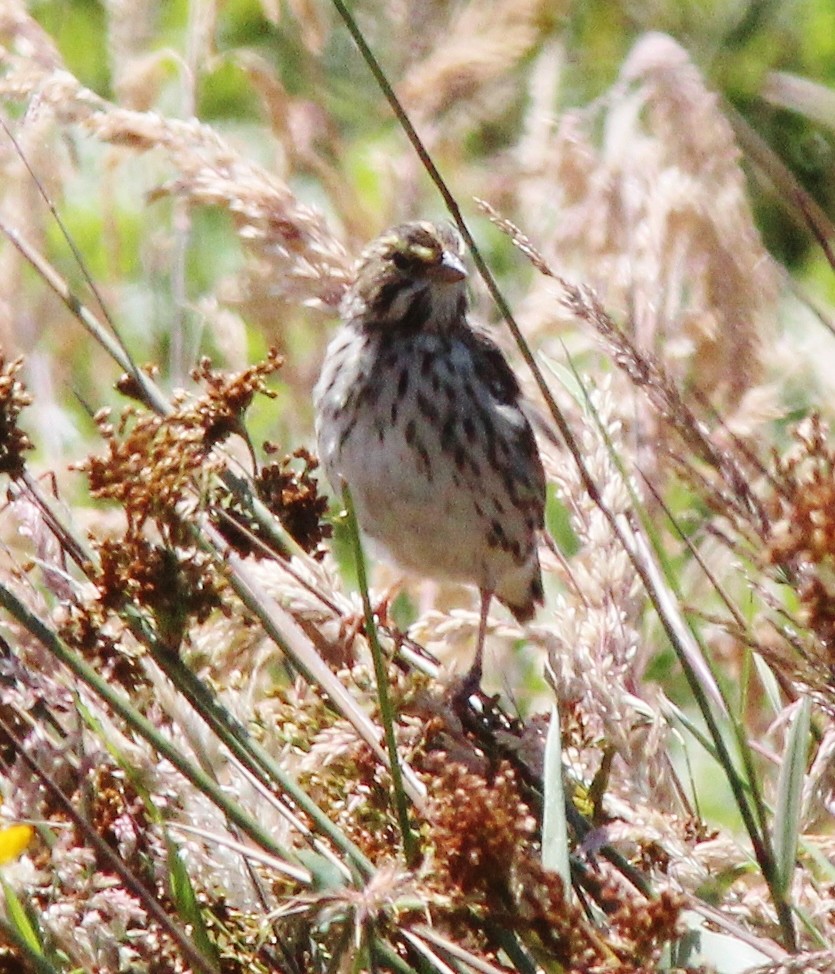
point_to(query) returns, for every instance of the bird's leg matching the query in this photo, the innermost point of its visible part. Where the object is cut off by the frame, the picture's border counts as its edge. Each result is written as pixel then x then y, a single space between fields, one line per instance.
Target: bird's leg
pixel 472 681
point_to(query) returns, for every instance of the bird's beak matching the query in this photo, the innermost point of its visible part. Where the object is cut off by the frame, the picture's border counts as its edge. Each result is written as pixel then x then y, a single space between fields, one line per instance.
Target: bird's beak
pixel 450 269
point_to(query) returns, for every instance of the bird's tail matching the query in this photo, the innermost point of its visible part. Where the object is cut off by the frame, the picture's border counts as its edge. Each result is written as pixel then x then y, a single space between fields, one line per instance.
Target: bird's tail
pixel 521 591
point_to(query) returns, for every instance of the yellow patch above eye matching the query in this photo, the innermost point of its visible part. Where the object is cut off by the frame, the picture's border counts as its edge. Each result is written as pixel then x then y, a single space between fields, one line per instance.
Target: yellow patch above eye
pixel 423 254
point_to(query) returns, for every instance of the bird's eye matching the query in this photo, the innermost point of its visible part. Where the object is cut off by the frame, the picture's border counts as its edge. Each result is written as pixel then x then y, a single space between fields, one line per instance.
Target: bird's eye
pixel 400 260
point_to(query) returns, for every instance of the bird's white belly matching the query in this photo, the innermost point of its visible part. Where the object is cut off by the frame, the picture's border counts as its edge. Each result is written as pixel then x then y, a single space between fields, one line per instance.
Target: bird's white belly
pixel 425 525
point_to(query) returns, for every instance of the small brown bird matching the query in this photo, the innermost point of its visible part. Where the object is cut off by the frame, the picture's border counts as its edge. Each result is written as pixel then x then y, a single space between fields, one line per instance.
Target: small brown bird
pixel 419 413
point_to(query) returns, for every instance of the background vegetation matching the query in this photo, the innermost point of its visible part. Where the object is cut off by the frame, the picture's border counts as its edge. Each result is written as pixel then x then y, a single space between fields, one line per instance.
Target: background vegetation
pixel 194 733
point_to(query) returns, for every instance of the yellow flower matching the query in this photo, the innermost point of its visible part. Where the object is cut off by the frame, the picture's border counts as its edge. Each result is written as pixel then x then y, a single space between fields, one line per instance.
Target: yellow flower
pixel 13 840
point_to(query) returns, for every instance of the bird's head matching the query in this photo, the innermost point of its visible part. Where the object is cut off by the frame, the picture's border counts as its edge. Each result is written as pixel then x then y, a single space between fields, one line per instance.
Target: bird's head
pixel 410 277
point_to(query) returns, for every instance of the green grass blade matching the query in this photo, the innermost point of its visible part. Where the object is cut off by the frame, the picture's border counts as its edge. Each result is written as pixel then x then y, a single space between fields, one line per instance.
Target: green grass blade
pixel 12 932
pixel 790 794
pixel 187 906
pixel 410 846
pixel 555 846
pixel 27 933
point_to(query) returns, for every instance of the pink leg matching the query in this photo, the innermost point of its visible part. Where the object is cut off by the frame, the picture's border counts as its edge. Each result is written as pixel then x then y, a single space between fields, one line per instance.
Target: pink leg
pixel 472 681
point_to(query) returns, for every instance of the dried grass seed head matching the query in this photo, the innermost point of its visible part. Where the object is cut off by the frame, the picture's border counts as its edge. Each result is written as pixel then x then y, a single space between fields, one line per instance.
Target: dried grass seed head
pixel 656 218
pixel 14 398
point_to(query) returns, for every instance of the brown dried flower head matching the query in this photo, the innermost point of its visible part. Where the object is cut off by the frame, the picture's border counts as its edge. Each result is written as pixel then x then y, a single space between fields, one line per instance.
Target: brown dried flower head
pixel 13 399
pixel 802 511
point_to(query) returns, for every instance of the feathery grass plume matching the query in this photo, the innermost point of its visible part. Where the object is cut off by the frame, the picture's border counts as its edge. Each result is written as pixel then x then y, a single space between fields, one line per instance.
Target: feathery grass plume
pixel 594 638
pixel 475 47
pixel 732 469
pixel 136 74
pixel 656 219
pixel 295 258
pixel 734 496
pixel 722 467
pixel 19 201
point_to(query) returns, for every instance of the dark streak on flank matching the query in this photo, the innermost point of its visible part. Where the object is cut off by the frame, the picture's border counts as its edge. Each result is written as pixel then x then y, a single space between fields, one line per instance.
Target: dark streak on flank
pixel 448 438
pixel 343 436
pixel 423 453
pixel 428 409
pixel 403 382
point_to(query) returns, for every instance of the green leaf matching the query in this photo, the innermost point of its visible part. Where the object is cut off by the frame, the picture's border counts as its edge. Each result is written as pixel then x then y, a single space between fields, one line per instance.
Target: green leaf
pixel 21 922
pixel 185 900
pixel 790 793
pixel 387 714
pixel 769 683
pixel 554 825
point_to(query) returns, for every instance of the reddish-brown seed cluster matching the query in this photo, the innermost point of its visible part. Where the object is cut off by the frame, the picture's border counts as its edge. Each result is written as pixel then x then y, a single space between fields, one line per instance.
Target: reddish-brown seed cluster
pixel 293 497
pixel 643 926
pixel 86 630
pixel 158 469
pixel 220 412
pixel 160 460
pixel 178 586
pixel 13 399
pixel 478 829
pixel 150 468
pixel 485 849
pixel 802 512
pixel 290 492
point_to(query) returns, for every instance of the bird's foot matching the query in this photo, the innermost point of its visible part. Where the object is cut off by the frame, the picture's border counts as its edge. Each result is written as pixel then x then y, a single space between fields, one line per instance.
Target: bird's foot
pixel 467 686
